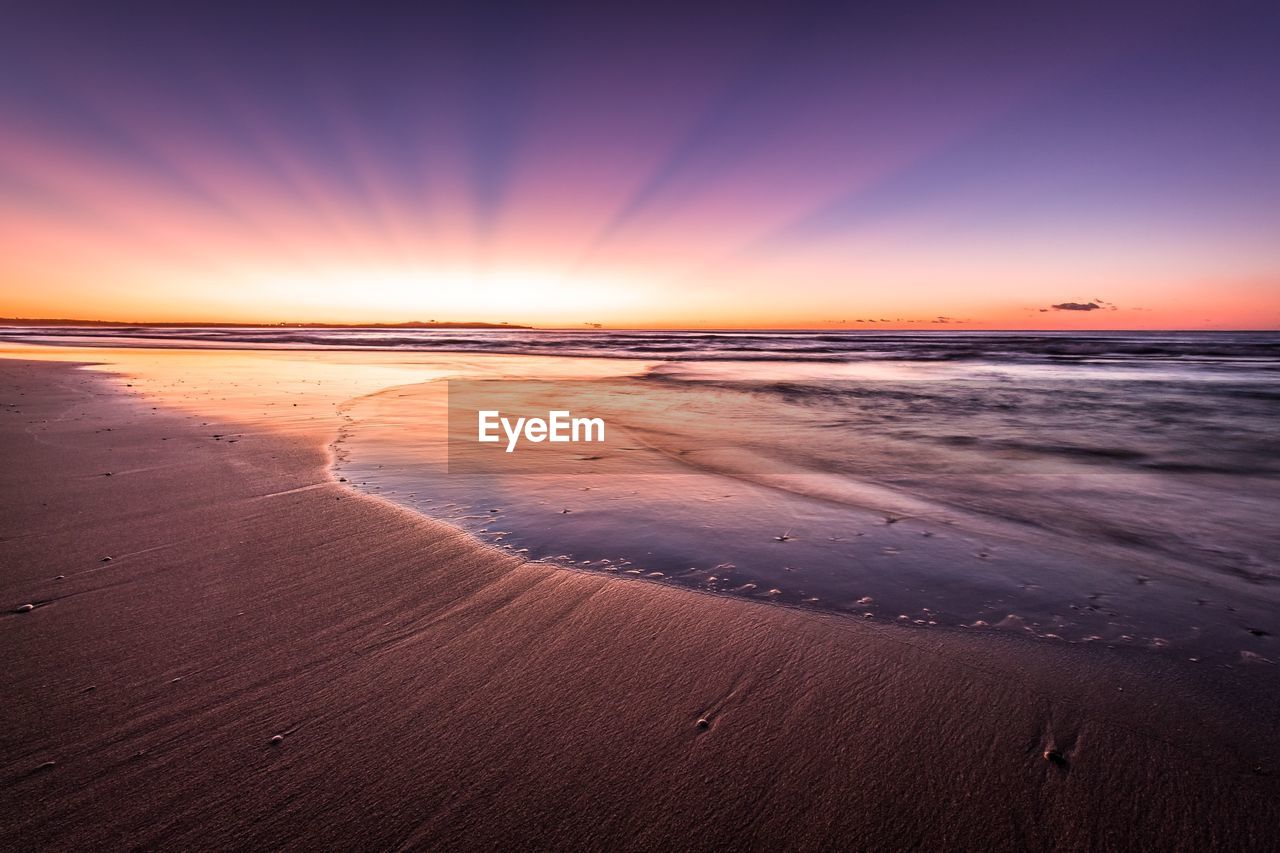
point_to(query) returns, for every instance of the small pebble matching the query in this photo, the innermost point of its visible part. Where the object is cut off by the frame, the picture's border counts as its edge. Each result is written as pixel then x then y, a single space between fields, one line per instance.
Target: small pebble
pixel 276 740
pixel 704 724
pixel 26 608
pixel 1054 757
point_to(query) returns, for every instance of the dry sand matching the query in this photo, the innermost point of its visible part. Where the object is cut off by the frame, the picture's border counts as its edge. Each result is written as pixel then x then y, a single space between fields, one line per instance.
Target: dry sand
pixel 430 692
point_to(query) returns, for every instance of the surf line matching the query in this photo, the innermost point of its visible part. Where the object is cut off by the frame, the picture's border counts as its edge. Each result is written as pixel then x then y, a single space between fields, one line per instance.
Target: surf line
pixel 558 426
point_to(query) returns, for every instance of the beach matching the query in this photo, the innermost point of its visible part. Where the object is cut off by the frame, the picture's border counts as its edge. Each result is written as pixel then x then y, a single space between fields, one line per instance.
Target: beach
pixel 589 427
pixel 230 647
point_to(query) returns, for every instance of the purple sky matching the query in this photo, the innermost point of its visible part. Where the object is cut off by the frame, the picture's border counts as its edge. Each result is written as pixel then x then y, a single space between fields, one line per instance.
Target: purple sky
pixel 789 164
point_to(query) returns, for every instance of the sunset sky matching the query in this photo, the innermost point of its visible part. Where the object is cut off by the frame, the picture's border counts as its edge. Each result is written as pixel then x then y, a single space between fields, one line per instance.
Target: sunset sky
pixel 791 165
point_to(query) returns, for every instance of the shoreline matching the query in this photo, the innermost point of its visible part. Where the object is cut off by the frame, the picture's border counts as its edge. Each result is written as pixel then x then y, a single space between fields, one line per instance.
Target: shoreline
pixel 429 688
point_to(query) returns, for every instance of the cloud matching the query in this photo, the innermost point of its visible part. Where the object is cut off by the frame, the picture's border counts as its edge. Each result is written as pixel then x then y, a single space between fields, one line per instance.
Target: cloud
pixel 1076 306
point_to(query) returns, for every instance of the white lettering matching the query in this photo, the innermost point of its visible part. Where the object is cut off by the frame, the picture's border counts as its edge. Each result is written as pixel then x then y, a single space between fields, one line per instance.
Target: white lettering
pixel 587 424
pixel 513 435
pixel 560 427
pixel 487 423
pixel 559 422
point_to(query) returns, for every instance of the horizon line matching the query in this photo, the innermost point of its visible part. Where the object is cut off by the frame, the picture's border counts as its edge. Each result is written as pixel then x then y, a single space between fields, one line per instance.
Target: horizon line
pixel 478 325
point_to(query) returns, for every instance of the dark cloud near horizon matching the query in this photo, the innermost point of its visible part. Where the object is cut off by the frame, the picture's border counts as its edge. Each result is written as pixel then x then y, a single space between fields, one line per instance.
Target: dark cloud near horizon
pixel 1076 306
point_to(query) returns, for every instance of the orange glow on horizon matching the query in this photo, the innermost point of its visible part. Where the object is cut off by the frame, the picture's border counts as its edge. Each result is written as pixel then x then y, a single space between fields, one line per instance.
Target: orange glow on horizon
pixel 134 257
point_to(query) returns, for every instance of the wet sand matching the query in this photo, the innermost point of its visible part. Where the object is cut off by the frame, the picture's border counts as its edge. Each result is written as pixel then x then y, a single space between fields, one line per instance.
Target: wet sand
pixel 272 659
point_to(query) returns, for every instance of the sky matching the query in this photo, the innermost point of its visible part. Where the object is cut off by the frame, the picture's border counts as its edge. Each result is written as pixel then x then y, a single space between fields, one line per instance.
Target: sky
pixel 786 165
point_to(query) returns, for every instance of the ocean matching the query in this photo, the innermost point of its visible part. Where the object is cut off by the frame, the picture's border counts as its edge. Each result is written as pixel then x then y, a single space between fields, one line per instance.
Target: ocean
pixel 1120 489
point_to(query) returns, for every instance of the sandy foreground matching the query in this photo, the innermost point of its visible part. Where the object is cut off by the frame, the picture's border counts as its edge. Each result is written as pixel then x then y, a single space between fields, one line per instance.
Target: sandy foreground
pixel 424 690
